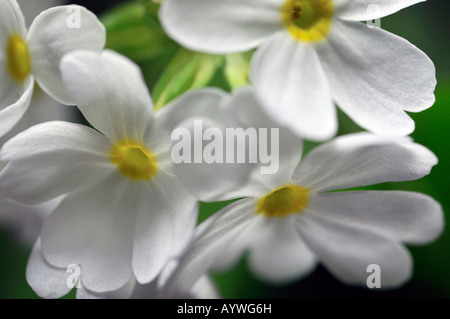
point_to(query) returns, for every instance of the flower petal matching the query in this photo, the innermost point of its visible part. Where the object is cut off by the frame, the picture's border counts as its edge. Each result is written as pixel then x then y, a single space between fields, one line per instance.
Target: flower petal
pixel 122 293
pixel 165 224
pixel 365 10
pixel 94 228
pixel 11 20
pixel 205 288
pixel 217 26
pixel 375 76
pixel 42 109
pixel 12 114
pixel 347 251
pixel 245 111
pixel 25 221
pixel 208 179
pixel 69 156
pixel 243 242
pixel 363 159
pixel 46 281
pixel 291 85
pixel 409 217
pixel 226 225
pixel 280 256
pixel 52 35
pixel 200 104
pixel 110 92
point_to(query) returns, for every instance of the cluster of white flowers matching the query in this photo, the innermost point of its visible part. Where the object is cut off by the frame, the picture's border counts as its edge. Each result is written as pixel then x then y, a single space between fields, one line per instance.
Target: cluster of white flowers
pixel 115 204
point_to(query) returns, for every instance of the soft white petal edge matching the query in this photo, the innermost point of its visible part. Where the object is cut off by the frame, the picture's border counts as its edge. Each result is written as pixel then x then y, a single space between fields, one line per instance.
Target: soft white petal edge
pixel 69 156
pixel 409 217
pixel 363 159
pixel 347 251
pixel 12 114
pixel 216 26
pixel 110 91
pixel 46 281
pixel 365 10
pixel 291 85
pixel 56 32
pixel 197 261
pixel 372 82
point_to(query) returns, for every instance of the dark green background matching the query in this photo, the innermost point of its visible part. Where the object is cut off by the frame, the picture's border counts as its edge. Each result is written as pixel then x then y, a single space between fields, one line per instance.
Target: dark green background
pixel 427 26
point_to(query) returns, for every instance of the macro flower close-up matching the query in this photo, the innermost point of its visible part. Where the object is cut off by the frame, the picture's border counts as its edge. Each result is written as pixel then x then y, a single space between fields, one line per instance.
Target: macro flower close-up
pixel 312 53
pixel 29 55
pixel 290 220
pixel 214 157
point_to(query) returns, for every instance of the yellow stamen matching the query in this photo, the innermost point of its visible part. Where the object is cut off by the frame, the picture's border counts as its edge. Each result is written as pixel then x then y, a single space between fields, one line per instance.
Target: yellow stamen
pixel 308 20
pixel 281 202
pixel 19 64
pixel 134 160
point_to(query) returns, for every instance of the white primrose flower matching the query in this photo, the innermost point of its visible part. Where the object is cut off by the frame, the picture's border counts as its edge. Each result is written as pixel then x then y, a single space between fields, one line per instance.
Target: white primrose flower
pixel 25 221
pixel 289 221
pixel 52 282
pixel 311 53
pixel 125 214
pixel 26 56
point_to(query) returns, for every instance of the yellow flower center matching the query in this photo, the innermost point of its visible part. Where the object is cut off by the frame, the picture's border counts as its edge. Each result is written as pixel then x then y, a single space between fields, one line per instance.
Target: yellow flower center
pixel 308 20
pixel 18 58
pixel 134 160
pixel 281 202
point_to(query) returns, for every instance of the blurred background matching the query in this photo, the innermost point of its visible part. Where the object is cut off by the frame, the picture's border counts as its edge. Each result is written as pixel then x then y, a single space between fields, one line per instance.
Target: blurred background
pixel 134 31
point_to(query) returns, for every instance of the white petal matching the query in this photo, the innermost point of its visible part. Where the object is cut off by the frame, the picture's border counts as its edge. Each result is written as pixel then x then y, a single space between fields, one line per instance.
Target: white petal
pixel 280 256
pixel 205 288
pixel 122 293
pixel 291 85
pixel 12 114
pixel 361 160
pixel 217 26
pixel 208 179
pixel 11 20
pixel 110 92
pixel 198 104
pixel 409 217
pixel 243 110
pixel 243 242
pixel 25 221
pixel 55 137
pixel 52 159
pixel 375 76
pixel 94 228
pixel 45 280
pixel 42 109
pixel 227 224
pixel 205 181
pixel 165 208
pixel 365 10
pixel 52 35
pixel 347 251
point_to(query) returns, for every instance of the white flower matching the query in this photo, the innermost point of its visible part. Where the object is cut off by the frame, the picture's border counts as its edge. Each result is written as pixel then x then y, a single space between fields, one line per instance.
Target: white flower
pixel 35 54
pixel 125 213
pixel 311 53
pixel 25 221
pixel 291 220
pixel 51 282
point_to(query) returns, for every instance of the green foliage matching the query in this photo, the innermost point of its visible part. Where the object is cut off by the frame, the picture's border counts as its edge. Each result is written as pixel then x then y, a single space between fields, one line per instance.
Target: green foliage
pixel 134 31
pixel 188 70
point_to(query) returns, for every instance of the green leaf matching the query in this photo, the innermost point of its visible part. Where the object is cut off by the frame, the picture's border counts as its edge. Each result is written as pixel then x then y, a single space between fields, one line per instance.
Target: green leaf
pixel 187 71
pixel 130 32
pixel 237 68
